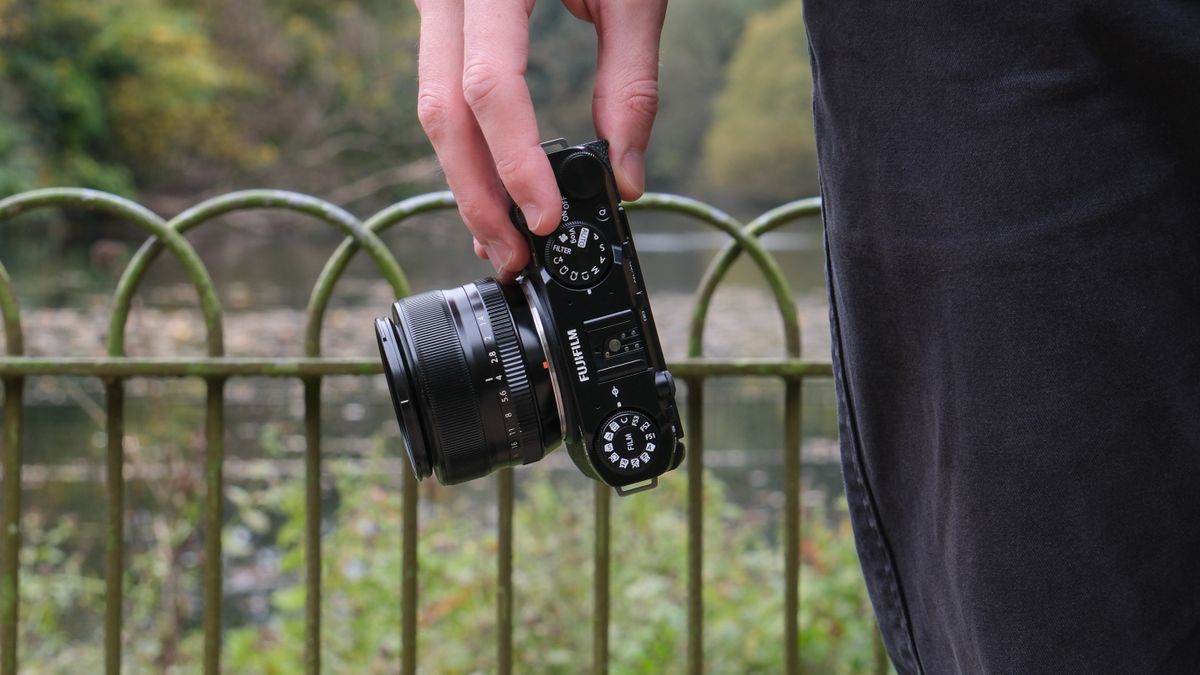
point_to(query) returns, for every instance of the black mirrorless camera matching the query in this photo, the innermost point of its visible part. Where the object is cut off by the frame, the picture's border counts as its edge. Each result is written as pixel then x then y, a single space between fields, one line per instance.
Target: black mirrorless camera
pixel 489 375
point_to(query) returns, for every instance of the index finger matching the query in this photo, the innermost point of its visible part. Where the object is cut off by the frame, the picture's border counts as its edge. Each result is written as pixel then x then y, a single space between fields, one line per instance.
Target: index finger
pixel 460 146
pixel 495 55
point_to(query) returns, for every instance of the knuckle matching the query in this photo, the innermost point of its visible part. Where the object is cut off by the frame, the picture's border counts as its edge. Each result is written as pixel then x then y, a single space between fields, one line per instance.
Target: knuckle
pixel 434 110
pixel 640 97
pixel 473 213
pixel 510 168
pixel 481 211
pixel 481 80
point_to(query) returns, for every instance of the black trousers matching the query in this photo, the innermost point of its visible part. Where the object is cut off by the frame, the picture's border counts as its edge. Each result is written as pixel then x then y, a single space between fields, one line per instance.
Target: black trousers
pixel 1012 213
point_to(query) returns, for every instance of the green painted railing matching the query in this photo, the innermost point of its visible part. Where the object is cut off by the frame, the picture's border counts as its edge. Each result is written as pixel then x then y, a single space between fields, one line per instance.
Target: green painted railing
pixel 116 368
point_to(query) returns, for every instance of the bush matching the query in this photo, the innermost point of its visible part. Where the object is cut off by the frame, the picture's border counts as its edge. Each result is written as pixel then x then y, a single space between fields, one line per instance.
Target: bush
pixel 553 523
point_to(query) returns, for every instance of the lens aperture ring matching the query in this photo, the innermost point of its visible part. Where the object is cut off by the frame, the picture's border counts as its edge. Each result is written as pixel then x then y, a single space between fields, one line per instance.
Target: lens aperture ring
pixel 516 379
pixel 445 381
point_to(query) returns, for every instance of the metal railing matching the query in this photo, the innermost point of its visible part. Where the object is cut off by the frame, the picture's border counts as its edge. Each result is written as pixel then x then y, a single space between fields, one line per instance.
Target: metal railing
pixel 216 368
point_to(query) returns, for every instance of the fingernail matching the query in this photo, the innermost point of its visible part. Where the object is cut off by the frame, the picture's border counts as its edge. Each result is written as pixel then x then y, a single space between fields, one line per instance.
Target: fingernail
pixel 500 255
pixel 533 216
pixel 633 165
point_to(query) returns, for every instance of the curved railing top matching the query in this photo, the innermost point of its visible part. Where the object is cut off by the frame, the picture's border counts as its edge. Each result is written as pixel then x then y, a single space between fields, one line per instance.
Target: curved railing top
pixel 720 265
pixel 318 302
pixel 766 263
pixel 132 212
pixel 244 200
pixel 365 234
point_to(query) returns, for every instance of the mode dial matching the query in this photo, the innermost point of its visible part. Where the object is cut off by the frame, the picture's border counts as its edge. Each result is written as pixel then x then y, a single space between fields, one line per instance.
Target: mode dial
pixel 578 255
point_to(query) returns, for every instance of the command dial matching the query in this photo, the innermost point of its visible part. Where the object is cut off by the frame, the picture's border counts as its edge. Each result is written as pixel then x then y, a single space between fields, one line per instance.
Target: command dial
pixel 627 442
pixel 578 255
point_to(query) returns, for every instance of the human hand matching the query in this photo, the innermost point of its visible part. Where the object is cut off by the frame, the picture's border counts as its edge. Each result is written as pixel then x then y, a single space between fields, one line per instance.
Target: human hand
pixel 475 107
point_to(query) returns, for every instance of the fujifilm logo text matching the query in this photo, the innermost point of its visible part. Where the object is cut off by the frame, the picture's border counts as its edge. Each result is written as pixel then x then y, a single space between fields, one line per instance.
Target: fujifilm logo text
pixel 577 354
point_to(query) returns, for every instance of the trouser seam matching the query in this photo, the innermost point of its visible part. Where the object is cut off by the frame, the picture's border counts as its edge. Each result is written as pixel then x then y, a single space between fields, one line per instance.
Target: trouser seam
pixel 874 538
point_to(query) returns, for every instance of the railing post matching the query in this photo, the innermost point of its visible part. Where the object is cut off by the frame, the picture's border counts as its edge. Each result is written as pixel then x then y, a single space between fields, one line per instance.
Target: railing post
pixel 791 525
pixel 213 521
pixel 600 579
pixel 114 558
pixel 504 590
pixel 695 518
pixel 10 563
pixel 10 449
pixel 312 526
pixel 408 584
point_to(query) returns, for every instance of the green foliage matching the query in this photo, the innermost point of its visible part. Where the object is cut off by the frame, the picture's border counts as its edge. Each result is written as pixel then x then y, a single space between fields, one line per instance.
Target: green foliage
pixel 135 96
pixel 168 99
pixel 552 586
pixel 698 40
pixel 18 157
pixel 53 589
pixel 335 94
pixel 836 622
pixel 113 92
pixel 361 571
pixel 760 143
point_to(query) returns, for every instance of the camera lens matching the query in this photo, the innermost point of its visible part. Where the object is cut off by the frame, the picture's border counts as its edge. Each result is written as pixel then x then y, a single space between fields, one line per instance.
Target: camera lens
pixel 469 380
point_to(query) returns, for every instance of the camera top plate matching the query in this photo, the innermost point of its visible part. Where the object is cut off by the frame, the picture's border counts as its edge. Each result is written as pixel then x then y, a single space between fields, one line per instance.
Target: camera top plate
pixel 620 421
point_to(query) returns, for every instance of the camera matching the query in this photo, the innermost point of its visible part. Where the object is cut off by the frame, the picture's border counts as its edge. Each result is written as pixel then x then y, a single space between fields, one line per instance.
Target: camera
pixel 489 375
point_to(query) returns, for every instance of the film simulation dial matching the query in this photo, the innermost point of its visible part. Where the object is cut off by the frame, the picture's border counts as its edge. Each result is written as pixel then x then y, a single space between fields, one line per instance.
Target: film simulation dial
pixel 578 255
pixel 627 442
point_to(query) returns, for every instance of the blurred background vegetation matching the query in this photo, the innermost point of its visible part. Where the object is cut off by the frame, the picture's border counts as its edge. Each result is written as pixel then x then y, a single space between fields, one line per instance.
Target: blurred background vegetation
pixel 164 100
pixel 170 102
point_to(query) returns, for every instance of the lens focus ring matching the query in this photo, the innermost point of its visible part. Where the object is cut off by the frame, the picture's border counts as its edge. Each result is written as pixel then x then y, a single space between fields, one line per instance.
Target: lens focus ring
pixel 466 371
pixel 513 365
pixel 445 382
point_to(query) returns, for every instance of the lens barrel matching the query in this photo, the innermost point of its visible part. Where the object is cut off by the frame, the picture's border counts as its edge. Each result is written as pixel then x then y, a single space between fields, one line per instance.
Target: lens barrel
pixel 468 379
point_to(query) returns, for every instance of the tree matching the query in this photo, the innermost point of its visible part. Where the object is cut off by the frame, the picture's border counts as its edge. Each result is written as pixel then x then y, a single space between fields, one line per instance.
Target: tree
pixel 164 100
pixel 698 40
pixel 110 94
pixel 761 141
